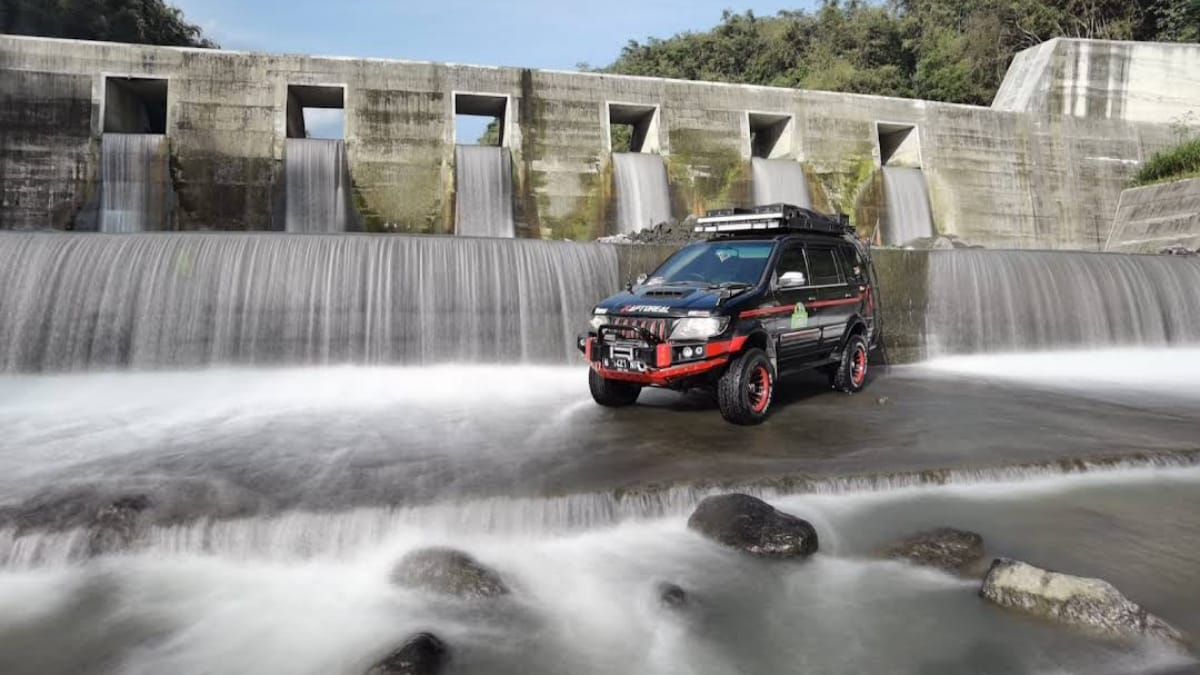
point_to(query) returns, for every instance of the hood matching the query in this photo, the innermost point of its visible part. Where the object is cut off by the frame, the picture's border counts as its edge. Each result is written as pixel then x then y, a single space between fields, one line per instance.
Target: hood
pixel 667 300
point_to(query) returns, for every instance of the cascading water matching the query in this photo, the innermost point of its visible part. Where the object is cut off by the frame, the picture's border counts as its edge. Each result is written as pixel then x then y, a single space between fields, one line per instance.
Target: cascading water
pixel 909 216
pixel 779 181
pixel 643 196
pixel 483 191
pixel 134 185
pixel 317 185
pixel 70 302
pixel 1007 301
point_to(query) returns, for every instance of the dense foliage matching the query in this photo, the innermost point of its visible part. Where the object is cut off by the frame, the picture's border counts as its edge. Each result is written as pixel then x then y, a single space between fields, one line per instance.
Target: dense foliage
pixel 943 50
pixel 137 21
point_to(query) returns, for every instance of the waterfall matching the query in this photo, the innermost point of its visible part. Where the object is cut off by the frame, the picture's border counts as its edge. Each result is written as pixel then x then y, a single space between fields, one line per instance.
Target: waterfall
pixel 134 185
pixel 317 182
pixel 75 302
pixel 643 198
pixel 483 191
pixel 908 214
pixel 779 181
pixel 993 301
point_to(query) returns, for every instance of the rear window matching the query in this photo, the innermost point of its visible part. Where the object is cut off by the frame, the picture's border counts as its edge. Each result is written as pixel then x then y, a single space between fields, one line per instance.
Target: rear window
pixel 823 267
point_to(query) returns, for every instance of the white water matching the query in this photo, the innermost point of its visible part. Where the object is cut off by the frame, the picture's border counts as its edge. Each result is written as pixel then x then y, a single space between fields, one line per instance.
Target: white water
pixel 317 185
pixel 643 197
pixel 134 184
pixel 584 600
pixel 483 192
pixel 1010 301
pixel 86 302
pixel 909 216
pixel 779 181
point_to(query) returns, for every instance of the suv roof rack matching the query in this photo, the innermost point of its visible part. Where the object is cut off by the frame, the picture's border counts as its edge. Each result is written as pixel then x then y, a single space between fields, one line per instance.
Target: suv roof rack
pixel 772 218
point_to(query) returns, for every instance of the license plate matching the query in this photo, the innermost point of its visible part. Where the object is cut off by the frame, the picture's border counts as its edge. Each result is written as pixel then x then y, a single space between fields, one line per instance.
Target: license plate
pixel 621 364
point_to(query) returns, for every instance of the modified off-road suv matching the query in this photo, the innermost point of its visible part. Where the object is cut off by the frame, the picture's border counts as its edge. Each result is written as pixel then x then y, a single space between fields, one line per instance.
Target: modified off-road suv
pixel 771 290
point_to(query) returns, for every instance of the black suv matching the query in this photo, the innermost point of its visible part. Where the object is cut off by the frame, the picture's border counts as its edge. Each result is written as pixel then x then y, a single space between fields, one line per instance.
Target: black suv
pixel 771 290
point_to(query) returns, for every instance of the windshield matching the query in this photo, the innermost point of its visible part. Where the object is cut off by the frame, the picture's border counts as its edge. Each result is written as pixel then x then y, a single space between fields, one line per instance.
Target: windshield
pixel 715 263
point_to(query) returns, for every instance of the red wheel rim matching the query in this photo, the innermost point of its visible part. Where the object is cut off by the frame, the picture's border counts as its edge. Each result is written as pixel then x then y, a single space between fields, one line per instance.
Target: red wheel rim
pixel 858 366
pixel 759 389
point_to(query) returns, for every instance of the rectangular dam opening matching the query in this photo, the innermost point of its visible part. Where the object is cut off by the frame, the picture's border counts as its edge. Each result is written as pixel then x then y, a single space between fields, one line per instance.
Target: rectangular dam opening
pixel 134 105
pixel 480 119
pixel 633 128
pixel 316 111
pixel 771 135
pixel 899 144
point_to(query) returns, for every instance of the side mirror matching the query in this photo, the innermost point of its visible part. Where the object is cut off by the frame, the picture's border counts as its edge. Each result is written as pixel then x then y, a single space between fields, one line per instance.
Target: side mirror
pixel 792 280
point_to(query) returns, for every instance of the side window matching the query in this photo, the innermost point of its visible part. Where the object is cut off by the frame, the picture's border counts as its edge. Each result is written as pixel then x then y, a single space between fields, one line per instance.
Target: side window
pixel 792 260
pixel 853 267
pixel 823 264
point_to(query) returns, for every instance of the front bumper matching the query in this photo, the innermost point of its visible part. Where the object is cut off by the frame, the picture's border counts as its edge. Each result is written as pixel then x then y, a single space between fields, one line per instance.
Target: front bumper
pixel 660 364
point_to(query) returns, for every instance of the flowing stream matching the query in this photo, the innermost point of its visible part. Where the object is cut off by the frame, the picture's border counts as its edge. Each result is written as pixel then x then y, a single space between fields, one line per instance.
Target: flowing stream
pixel 909 216
pixel 643 197
pixel 779 181
pixel 318 183
pixel 484 191
pixel 135 189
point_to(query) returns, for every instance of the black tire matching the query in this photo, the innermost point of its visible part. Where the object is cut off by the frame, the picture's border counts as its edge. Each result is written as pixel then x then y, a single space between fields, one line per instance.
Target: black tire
pixel 851 374
pixel 612 393
pixel 745 390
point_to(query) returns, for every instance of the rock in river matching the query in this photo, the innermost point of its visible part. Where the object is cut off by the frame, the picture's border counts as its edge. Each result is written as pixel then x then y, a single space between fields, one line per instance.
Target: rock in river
pixel 1092 604
pixel 118 525
pixel 944 548
pixel 423 654
pixel 449 572
pixel 751 525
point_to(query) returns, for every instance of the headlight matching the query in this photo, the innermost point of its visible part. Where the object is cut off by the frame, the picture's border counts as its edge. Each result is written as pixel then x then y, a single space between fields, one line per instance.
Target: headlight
pixel 699 329
pixel 597 321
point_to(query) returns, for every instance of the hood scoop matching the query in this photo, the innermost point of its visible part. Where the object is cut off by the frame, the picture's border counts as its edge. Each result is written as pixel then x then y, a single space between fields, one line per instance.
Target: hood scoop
pixel 667 293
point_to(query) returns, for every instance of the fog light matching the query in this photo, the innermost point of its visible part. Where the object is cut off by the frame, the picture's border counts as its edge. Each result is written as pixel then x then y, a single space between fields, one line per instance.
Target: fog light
pixel 687 352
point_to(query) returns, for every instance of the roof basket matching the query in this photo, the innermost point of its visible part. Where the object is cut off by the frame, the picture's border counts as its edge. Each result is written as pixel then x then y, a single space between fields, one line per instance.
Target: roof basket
pixel 772 218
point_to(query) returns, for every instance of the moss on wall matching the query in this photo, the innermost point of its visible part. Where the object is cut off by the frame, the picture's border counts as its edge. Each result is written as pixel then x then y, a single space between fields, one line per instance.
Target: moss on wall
pixel 903 296
pixel 705 173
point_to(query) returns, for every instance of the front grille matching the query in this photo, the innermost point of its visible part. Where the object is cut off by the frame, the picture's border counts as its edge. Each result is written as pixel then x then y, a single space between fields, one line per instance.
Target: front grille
pixel 660 327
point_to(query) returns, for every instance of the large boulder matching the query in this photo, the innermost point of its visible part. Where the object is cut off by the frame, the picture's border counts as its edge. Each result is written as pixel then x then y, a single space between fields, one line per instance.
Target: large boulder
pixel 1092 604
pixel 671 595
pixel 449 572
pixel 751 525
pixel 422 654
pixel 118 525
pixel 944 548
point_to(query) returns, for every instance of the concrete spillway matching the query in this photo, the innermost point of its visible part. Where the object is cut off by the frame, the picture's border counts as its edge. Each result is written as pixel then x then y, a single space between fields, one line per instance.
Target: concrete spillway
pixel 317 185
pixel 643 198
pixel 779 181
pixel 72 302
pixel 134 184
pixel 909 216
pixel 994 301
pixel 484 191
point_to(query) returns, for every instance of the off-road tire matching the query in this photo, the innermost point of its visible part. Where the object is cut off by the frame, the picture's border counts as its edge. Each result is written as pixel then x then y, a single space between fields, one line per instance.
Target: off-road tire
pixel 851 374
pixel 745 390
pixel 612 393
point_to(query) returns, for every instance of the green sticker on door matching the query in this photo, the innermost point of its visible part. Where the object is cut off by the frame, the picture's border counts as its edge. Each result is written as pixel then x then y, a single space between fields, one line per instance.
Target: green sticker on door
pixel 800 316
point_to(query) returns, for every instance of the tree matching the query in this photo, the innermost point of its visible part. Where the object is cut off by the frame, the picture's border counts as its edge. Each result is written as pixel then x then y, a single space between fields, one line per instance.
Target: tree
pixel 134 21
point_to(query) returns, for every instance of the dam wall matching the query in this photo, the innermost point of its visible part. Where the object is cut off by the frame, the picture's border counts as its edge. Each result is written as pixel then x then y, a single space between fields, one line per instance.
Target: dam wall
pixel 1156 217
pixel 1000 177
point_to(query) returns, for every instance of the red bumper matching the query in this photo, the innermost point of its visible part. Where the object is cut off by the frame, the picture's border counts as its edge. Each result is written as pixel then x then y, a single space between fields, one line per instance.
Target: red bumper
pixel 718 354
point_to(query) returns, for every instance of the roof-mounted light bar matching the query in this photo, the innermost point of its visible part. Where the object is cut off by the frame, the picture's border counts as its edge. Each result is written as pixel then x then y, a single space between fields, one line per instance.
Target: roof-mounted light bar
pixel 776 217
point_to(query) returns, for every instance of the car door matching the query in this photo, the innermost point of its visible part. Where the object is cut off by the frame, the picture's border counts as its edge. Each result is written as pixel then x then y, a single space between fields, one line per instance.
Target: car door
pixel 831 302
pixel 797 339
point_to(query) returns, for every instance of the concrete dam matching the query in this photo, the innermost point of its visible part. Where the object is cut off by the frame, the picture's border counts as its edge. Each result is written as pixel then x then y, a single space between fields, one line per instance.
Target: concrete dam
pixel 222 145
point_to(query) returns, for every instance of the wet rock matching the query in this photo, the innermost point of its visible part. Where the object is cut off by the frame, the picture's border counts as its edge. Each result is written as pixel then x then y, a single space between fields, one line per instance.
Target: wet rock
pixel 944 548
pixel 1092 604
pixel 751 525
pixel 1176 250
pixel 119 525
pixel 449 572
pixel 422 654
pixel 672 595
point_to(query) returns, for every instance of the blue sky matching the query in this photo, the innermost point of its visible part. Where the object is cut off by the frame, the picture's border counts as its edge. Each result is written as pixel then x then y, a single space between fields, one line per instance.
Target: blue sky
pixel 528 33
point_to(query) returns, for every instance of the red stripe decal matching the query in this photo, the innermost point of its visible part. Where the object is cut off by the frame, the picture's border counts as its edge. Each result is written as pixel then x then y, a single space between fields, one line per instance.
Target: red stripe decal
pixel 767 311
